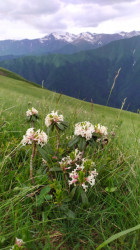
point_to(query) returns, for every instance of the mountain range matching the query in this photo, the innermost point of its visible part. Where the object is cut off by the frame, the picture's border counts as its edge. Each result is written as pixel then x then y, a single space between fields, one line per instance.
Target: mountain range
pixel 88 74
pixel 61 43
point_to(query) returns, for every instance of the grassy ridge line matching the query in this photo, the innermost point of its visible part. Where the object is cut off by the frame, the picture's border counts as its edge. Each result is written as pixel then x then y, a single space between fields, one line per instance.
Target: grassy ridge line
pixel 10 74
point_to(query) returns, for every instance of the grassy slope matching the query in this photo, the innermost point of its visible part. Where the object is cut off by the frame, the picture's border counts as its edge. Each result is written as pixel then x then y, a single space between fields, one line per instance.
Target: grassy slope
pixel 109 212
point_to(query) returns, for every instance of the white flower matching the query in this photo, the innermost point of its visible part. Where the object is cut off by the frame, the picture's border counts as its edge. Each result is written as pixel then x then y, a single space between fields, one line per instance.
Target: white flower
pixel 84 187
pixel 19 242
pixel 28 137
pixel 101 129
pixel 84 129
pixel 31 112
pixel 53 117
pixel 91 178
pixel 65 161
pixel 39 137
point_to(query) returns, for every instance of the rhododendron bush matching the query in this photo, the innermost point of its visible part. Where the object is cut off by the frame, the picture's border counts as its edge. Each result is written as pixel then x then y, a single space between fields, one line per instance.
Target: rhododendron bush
pixel 70 169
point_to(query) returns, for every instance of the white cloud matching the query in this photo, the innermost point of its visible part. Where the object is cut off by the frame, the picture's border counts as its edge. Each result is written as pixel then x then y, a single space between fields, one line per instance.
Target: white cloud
pixel 32 18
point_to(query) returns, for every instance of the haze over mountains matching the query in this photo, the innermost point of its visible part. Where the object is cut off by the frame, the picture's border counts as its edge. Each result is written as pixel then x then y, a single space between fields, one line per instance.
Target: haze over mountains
pixel 63 43
pixel 88 74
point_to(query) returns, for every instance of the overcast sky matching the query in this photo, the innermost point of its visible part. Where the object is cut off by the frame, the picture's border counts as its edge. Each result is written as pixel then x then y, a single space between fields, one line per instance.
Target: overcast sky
pixel 36 18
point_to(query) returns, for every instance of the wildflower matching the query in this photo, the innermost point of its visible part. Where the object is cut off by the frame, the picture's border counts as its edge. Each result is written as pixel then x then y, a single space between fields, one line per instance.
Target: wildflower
pixel 68 160
pixel 84 187
pixel 83 174
pixel 31 112
pixel 101 129
pixel 84 129
pixel 39 137
pixel 53 117
pixel 28 137
pixel 19 243
pixel 91 178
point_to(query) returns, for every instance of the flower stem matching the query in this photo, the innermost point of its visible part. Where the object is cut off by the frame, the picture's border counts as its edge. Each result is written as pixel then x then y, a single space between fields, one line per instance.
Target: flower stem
pixel 31 163
pixel 66 183
pixel 58 143
pixel 32 124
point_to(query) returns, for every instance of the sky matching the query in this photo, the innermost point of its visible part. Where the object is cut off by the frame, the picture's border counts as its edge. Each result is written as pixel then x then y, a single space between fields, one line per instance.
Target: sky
pixel 31 19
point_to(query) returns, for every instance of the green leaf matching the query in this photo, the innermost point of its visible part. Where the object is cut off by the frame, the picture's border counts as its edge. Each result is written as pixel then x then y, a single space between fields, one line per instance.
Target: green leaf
pixel 82 144
pixel 33 118
pixel 65 124
pixel 117 236
pixel 73 141
pixel 84 197
pixel 70 214
pixel 55 169
pixel 43 195
pixel 48 148
pixel 43 153
pixel 73 192
pixel 45 190
pixel 110 189
pixel 60 126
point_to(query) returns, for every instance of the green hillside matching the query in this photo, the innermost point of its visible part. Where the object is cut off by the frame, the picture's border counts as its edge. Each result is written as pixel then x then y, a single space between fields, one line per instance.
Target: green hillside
pixel 88 74
pixel 45 215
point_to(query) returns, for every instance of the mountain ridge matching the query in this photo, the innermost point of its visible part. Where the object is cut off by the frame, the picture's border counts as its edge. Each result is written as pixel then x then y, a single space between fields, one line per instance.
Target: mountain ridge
pixel 64 43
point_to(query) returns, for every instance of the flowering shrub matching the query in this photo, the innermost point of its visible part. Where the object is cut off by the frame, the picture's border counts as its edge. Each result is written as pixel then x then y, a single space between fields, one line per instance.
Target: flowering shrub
pixel 31 136
pixel 69 164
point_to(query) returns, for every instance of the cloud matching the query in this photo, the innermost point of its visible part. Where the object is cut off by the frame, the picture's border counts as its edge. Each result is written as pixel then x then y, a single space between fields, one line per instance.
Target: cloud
pixel 35 17
pixel 99 2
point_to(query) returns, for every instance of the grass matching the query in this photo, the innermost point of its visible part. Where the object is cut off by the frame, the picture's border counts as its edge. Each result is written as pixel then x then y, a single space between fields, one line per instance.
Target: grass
pixel 114 204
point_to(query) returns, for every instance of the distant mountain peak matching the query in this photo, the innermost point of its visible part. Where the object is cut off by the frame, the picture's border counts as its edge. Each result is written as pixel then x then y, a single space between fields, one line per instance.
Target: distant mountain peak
pixel 61 42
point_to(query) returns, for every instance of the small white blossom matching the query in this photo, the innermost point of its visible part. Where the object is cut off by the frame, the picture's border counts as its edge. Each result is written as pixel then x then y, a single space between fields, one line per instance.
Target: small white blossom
pixel 76 155
pixel 84 129
pixel 85 187
pixel 91 178
pixel 53 117
pixel 28 137
pixel 19 242
pixel 39 137
pixel 101 129
pixel 88 174
pixel 31 112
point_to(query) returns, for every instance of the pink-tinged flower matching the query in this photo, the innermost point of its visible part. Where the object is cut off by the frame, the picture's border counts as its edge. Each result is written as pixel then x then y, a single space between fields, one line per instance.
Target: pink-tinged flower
pixel 53 117
pixel 101 129
pixel 19 242
pixel 39 137
pixel 31 112
pixel 84 129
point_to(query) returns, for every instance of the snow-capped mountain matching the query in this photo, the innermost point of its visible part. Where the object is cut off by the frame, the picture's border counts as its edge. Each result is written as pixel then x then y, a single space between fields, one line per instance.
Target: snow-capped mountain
pixel 58 42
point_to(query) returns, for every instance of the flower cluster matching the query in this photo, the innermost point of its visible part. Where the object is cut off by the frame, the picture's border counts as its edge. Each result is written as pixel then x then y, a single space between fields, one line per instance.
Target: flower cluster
pixel 84 129
pixel 39 137
pixel 83 174
pixel 19 243
pixel 31 112
pixel 101 129
pixel 53 117
pixel 68 160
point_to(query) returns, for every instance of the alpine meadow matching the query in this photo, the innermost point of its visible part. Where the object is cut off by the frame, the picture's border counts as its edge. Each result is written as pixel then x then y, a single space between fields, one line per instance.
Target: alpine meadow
pixel 69 171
